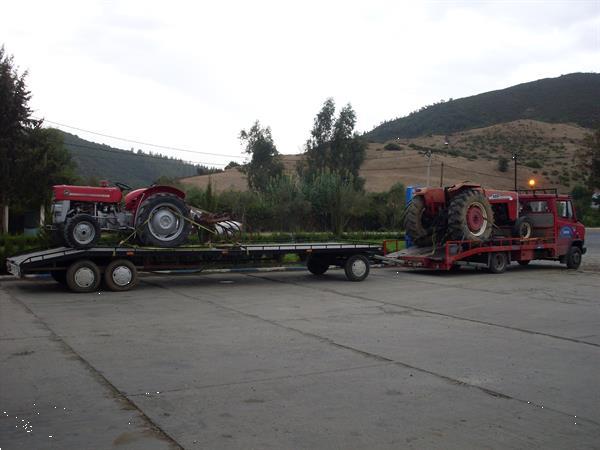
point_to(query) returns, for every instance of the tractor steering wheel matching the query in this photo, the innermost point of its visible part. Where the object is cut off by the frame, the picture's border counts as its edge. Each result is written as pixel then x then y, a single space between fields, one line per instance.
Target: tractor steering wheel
pixel 123 186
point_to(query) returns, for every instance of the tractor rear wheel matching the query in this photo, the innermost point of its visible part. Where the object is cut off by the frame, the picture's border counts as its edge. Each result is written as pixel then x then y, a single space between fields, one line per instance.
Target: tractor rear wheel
pixel 470 216
pixel 163 221
pixel 81 231
pixel 416 223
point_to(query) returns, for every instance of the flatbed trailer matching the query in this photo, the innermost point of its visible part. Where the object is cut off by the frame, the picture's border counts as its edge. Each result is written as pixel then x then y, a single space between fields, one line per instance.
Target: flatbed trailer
pixel 82 270
pixel 494 255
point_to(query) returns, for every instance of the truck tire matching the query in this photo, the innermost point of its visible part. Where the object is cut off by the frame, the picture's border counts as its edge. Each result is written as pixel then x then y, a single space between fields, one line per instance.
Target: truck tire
pixel 357 267
pixel 83 276
pixel 81 231
pixel 573 257
pixel 415 223
pixel 523 228
pixel 316 265
pixel 120 275
pixel 498 262
pixel 470 216
pixel 163 221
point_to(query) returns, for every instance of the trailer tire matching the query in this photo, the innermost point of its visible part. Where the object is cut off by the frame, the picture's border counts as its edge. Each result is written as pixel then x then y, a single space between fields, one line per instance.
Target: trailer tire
pixel 83 276
pixel 81 231
pixel 357 267
pixel 524 262
pixel 470 216
pixel 169 229
pixel 573 257
pixel 60 276
pixel 120 275
pixel 498 262
pixel 316 265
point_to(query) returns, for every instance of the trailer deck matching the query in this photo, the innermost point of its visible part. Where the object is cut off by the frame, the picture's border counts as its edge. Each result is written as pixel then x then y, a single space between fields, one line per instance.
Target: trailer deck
pixel 60 261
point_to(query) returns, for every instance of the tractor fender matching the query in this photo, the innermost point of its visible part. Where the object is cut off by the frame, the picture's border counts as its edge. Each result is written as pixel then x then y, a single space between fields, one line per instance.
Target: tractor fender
pixel 135 198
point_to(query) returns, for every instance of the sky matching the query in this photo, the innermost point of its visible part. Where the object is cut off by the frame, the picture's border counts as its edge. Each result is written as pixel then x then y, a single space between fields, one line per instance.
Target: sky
pixel 192 74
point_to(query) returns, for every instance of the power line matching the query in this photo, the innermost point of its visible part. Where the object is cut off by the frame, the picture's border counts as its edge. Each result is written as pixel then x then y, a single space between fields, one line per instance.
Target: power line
pixel 140 142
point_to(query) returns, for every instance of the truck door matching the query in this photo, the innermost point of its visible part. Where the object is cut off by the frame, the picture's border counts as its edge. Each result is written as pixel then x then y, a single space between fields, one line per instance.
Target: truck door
pixel 565 225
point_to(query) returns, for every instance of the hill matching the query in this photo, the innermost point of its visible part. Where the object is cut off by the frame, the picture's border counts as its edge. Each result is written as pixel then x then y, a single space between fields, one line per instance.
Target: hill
pixel 573 98
pixel 546 153
pixel 134 168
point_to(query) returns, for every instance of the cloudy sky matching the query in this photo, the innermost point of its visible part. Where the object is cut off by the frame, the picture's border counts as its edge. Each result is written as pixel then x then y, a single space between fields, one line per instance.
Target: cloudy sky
pixel 193 74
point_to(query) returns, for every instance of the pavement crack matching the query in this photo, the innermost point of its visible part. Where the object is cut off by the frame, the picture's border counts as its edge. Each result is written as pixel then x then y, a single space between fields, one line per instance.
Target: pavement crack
pixel 431 312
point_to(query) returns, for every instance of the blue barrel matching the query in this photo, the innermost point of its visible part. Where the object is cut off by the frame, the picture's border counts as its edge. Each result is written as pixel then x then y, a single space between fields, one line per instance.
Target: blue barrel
pixel 410 192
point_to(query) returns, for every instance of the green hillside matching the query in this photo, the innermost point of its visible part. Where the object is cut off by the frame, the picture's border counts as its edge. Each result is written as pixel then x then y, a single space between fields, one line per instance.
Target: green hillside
pixel 134 168
pixel 573 98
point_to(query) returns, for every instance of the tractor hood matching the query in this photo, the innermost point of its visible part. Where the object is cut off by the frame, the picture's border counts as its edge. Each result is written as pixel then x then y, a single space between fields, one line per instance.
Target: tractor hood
pixel 87 193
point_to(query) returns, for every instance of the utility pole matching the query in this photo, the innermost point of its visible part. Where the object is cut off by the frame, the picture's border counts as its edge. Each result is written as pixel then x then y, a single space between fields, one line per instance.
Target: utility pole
pixel 428 166
pixel 442 175
pixel 515 157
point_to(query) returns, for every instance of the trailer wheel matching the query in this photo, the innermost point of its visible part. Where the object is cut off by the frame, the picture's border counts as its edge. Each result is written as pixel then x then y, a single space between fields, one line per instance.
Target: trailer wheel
pixel 357 268
pixel 83 276
pixel 60 276
pixel 498 262
pixel 573 258
pixel 524 262
pixel 120 275
pixel 316 265
pixel 81 231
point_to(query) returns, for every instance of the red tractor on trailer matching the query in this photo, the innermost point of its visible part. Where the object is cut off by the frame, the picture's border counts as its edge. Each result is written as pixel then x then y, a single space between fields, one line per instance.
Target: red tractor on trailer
pixel 157 215
pixel 467 225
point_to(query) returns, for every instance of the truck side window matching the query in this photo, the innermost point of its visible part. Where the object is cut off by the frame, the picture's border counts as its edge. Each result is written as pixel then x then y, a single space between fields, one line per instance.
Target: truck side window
pixel 565 210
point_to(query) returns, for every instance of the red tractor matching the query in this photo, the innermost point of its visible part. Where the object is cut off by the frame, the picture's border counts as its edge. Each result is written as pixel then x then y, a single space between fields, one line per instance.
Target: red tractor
pixel 465 211
pixel 158 215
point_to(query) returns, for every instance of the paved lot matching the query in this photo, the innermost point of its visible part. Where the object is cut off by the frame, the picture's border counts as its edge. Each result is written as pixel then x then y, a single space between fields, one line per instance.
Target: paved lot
pixel 289 360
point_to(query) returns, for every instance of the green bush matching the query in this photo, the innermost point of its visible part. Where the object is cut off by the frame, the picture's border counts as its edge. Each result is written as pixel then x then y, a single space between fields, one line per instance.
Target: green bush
pixel 392 146
pixel 533 164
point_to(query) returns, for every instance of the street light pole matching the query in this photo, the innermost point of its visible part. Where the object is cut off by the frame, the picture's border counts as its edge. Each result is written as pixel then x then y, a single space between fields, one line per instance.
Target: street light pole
pixel 514 157
pixel 428 166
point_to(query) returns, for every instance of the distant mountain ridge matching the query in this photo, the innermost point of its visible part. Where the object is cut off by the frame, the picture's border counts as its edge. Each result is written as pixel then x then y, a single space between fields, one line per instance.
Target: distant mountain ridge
pixel 572 98
pixel 135 169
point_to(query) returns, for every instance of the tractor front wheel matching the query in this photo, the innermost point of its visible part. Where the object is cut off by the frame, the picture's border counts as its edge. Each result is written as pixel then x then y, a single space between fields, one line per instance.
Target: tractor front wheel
pixel 81 231
pixel 163 221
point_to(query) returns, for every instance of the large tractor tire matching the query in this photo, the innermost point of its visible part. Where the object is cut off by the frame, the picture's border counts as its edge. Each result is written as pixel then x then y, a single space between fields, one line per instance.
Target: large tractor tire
pixel 163 221
pixel 470 216
pixel 416 224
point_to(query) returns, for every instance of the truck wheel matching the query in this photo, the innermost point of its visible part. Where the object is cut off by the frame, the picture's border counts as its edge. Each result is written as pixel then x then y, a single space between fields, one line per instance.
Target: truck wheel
pixel 524 262
pixel 573 258
pixel 470 216
pixel 523 228
pixel 83 276
pixel 498 262
pixel 316 265
pixel 120 275
pixel 357 268
pixel 81 231
pixel 60 276
pixel 162 221
pixel 416 223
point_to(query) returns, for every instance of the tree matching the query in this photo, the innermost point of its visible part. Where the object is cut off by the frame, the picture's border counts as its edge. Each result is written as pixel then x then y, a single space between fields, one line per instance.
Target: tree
pixel 589 159
pixel 502 164
pixel 333 145
pixel 264 164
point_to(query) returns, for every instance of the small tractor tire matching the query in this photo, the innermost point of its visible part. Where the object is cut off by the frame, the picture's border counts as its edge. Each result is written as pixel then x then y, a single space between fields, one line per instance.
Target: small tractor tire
pixel 470 216
pixel 316 265
pixel 357 267
pixel 523 228
pixel 81 231
pixel 498 262
pixel 120 275
pixel 573 257
pixel 83 276
pixel 163 221
pixel 420 233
